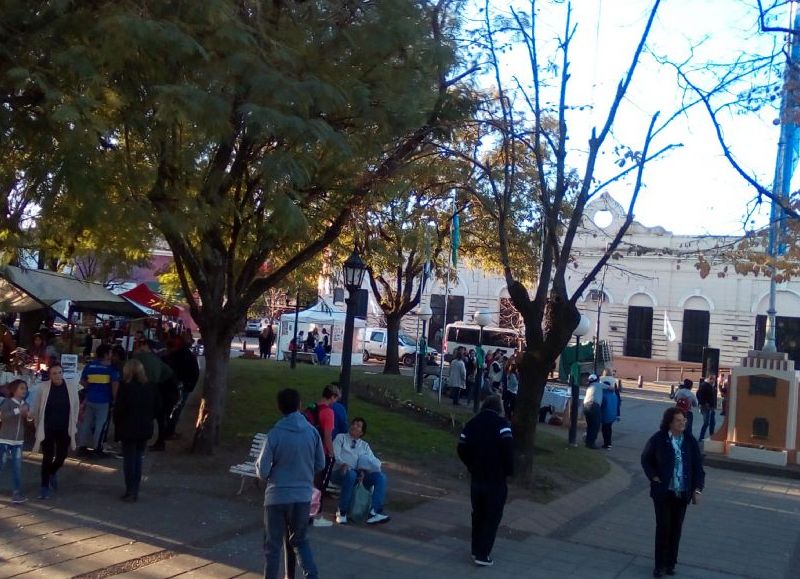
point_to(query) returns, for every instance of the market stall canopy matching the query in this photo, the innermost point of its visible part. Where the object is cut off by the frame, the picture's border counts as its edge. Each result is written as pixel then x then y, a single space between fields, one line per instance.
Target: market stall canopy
pixel 146 297
pixel 26 290
pixel 322 314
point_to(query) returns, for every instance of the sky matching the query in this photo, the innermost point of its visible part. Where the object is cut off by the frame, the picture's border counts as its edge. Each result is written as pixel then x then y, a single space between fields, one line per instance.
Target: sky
pixel 693 189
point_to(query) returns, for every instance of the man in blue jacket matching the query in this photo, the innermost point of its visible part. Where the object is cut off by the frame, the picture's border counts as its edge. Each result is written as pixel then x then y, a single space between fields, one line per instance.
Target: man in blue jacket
pixel 486 447
pixel 292 455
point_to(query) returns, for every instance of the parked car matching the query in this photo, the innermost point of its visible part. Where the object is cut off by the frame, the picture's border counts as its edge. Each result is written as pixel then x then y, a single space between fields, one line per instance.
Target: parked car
pixel 377 339
pixel 253 328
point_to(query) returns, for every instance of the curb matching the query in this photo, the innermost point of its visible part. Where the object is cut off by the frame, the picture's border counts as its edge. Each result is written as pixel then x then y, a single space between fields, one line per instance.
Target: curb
pixel 722 462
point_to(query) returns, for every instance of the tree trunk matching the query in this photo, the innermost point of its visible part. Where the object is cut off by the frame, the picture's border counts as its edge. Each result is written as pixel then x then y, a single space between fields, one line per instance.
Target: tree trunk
pixel 534 369
pixel 215 384
pixel 538 358
pixel 392 365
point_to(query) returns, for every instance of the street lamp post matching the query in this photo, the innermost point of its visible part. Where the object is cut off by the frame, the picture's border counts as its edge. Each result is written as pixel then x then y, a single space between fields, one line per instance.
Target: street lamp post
pixel 424 314
pixel 482 318
pixel 584 325
pixel 354 270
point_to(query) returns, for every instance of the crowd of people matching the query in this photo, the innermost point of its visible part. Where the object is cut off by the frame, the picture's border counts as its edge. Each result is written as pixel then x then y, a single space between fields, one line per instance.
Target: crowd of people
pixel 315 341
pixel 315 452
pixel 123 391
pixel 476 373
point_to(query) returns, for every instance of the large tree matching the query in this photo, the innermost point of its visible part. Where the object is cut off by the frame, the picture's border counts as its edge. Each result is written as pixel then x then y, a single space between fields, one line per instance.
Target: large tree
pixel 247 131
pixel 527 117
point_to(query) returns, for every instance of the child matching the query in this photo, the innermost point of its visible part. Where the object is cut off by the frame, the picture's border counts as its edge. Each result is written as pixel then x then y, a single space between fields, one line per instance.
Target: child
pixel 13 414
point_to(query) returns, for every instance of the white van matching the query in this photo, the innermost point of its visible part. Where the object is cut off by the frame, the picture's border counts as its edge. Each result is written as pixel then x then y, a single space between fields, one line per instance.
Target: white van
pixel 375 342
pixel 494 338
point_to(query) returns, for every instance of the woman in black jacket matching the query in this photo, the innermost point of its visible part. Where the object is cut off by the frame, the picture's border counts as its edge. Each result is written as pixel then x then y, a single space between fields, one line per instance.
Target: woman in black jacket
pixel 672 463
pixel 134 411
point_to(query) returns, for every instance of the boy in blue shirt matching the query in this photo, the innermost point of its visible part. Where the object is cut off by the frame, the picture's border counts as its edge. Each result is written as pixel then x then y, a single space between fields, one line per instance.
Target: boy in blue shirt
pixel 100 381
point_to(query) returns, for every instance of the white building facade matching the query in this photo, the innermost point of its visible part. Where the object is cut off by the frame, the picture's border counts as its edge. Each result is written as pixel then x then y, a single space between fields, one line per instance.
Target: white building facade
pixel 653 277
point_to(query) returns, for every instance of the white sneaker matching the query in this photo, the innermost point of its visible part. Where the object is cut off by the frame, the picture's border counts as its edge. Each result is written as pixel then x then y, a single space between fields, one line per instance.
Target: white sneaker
pixel 375 518
pixel 322 522
pixel 341 519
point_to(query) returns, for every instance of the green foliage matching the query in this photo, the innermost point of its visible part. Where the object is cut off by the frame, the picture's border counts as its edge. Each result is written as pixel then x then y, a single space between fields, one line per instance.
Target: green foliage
pixel 244 132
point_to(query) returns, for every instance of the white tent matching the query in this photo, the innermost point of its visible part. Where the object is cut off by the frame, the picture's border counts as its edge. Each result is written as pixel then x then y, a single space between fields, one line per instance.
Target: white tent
pixel 323 315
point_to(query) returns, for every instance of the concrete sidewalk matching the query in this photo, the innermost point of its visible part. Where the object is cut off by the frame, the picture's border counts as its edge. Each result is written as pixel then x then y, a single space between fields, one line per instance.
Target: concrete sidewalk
pixel 190 523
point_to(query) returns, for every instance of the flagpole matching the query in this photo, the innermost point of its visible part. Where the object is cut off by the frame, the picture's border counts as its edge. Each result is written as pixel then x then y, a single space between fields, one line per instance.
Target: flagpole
pixel 784 166
pixel 444 323
pixel 450 260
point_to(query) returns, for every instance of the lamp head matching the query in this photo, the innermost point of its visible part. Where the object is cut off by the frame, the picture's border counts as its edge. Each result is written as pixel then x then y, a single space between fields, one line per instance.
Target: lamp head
pixel 584 325
pixel 354 270
pixel 424 313
pixel 482 318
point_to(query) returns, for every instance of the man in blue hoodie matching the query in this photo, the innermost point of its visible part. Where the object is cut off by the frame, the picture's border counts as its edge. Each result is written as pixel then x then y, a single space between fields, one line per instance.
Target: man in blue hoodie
pixel 292 455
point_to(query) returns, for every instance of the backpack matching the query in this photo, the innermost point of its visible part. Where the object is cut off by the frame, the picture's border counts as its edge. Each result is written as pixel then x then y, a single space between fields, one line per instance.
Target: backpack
pixel 683 404
pixel 312 415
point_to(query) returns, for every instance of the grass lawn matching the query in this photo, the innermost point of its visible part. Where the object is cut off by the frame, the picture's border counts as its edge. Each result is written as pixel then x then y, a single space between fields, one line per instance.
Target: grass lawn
pixel 251 408
pixel 399 434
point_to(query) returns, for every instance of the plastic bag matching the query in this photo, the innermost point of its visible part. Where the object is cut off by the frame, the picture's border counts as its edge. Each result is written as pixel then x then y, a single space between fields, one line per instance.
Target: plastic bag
pixel 362 502
pixel 316 502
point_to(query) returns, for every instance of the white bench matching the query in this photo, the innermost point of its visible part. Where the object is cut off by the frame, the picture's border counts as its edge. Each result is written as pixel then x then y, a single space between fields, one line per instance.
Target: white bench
pixel 247 469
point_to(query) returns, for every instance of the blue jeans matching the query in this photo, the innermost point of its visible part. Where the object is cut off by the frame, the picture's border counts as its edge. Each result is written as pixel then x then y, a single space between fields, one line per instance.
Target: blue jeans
pixel 132 457
pixel 92 425
pixel 291 518
pixel 709 422
pixel 12 453
pixel 372 480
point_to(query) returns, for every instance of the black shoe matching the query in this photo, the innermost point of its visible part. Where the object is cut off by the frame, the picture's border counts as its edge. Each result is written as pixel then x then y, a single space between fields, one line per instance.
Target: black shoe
pixel 670 570
pixel 483 562
pixel 101 454
pixel 83 451
pixel 130 498
pixel 657 572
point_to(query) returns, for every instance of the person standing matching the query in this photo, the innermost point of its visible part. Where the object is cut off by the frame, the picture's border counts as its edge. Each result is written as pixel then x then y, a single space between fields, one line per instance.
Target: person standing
pixel 511 388
pixel 707 399
pixel 100 380
pixel 55 415
pixel 672 462
pixel 163 378
pixel 292 455
pixel 592 402
pixel 262 344
pixel 187 372
pixel 485 447
pixel 472 368
pixel 457 379
pixel 685 400
pixel 13 414
pixel 609 412
pixel 134 412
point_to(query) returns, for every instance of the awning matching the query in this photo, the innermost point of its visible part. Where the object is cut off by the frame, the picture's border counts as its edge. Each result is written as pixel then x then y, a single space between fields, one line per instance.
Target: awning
pixel 143 295
pixel 25 290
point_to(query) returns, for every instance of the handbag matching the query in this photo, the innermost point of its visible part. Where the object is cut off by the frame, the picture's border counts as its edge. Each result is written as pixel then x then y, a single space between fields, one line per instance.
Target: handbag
pixel 362 502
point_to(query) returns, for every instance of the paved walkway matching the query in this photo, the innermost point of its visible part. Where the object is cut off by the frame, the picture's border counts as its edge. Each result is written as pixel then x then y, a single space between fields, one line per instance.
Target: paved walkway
pixel 189 523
